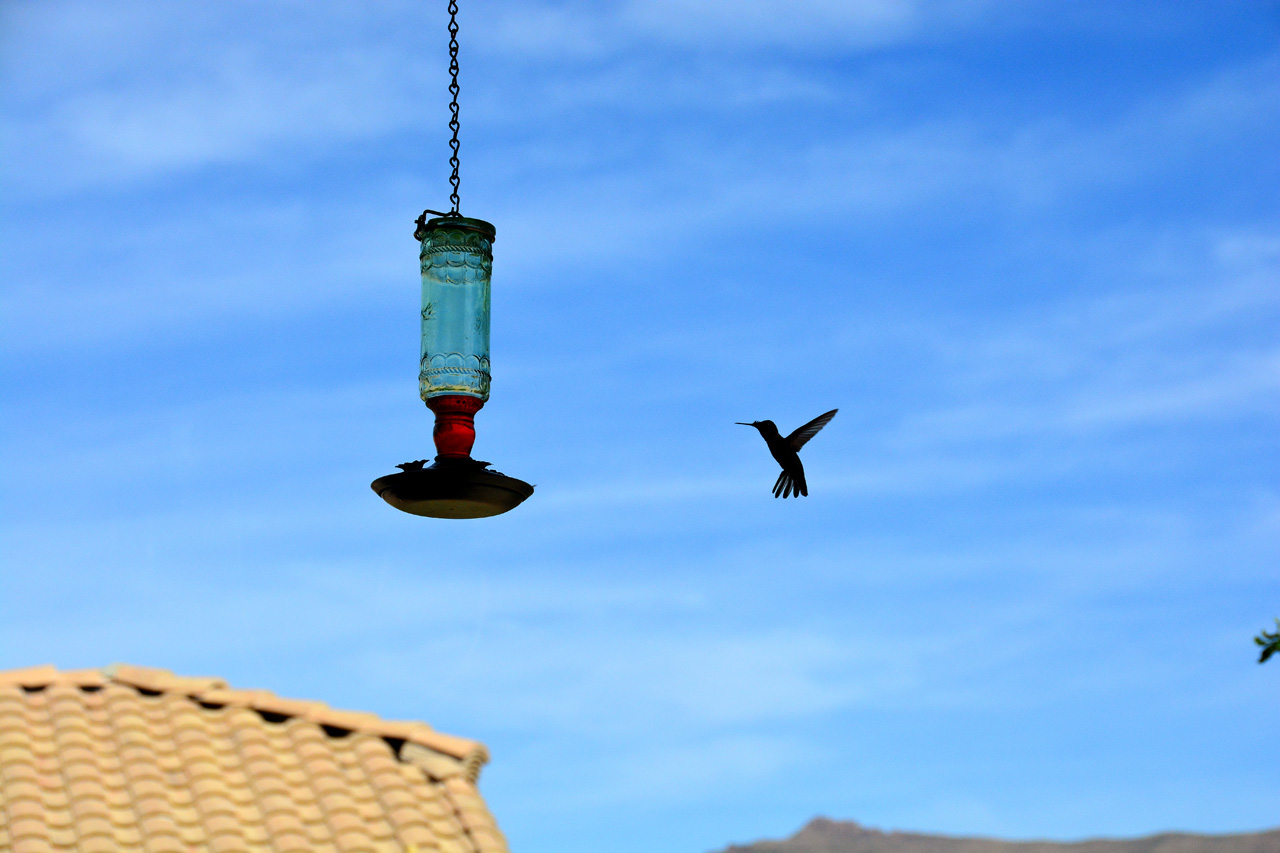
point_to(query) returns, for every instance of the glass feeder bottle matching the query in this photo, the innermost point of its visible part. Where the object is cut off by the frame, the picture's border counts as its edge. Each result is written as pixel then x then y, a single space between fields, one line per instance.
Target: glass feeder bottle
pixel 453 371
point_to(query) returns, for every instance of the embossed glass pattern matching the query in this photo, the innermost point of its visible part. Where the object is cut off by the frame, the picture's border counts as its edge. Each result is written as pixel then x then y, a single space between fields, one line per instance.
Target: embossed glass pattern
pixel 457 261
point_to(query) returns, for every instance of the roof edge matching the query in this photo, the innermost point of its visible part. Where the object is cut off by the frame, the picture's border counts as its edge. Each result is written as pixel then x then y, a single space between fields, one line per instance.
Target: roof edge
pixel 470 755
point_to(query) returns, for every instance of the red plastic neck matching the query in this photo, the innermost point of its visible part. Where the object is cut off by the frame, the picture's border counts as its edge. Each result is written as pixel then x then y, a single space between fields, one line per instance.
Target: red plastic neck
pixel 455 430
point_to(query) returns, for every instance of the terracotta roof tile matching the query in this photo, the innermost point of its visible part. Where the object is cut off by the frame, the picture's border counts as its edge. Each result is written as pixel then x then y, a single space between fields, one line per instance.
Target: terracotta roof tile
pixel 142 759
pixel 32 676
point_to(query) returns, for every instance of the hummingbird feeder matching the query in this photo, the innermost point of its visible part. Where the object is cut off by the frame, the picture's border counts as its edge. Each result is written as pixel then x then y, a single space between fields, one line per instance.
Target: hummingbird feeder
pixel 456 260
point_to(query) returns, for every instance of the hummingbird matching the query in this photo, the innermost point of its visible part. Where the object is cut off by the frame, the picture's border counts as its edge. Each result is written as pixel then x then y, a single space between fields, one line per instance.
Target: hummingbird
pixel 787 452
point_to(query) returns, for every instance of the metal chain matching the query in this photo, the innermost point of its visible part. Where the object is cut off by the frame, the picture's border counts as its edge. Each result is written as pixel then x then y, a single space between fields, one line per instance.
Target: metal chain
pixel 420 229
pixel 453 105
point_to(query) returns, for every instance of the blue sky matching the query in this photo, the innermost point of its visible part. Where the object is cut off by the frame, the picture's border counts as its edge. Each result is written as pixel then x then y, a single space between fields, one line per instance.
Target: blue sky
pixel 1030 249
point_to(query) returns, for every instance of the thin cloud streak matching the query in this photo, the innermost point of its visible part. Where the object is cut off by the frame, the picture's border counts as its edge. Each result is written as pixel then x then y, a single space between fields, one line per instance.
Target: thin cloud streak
pixel 886 176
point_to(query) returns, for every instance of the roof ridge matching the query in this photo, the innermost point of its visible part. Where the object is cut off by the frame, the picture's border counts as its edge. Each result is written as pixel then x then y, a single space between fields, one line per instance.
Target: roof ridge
pixel 471 754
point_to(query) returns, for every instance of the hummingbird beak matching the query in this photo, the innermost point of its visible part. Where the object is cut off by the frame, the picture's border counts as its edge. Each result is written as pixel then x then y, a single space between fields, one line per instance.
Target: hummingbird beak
pixel 740 423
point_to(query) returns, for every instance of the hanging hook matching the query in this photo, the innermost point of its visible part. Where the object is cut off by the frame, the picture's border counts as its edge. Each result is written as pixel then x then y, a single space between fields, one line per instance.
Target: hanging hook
pixel 420 230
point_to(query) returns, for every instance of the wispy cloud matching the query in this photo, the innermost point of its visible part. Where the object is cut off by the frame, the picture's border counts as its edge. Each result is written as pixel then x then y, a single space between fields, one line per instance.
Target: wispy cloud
pixel 191 88
pixel 335 251
pixel 589 31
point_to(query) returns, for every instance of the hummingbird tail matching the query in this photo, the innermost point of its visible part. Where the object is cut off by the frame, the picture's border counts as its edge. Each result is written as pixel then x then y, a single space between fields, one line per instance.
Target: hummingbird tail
pixel 788 485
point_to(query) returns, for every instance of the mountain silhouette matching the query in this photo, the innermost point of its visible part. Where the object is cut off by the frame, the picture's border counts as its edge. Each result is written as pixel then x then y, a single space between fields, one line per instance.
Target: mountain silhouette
pixel 823 835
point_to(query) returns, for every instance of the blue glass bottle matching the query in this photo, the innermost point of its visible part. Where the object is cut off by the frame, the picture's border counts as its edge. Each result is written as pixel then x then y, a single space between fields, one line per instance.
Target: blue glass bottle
pixel 457 262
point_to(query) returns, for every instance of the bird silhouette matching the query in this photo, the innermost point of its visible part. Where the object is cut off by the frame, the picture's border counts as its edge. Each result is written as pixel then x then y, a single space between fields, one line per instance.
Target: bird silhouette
pixel 787 452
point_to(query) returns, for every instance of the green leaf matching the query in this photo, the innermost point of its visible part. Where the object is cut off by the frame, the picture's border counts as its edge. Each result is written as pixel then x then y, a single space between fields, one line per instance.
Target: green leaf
pixel 1270 642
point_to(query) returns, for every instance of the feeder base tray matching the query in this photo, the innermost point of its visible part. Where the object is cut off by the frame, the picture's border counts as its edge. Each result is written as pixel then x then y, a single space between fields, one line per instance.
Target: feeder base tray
pixel 452 489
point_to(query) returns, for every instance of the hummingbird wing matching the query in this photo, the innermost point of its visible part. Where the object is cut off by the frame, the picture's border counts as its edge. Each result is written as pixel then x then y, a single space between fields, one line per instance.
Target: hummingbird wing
pixel 801 436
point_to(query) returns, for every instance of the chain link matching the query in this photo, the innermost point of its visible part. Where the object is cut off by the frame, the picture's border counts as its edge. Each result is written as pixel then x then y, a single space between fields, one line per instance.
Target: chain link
pixel 453 105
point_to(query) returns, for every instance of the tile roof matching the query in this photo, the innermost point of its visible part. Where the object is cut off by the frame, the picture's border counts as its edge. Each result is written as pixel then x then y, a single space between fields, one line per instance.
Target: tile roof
pixel 128 758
